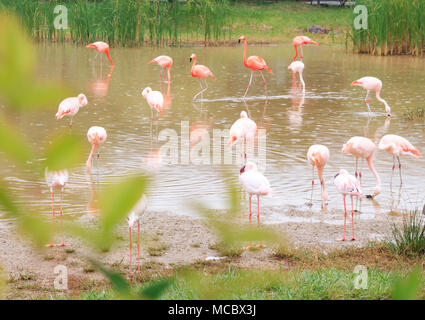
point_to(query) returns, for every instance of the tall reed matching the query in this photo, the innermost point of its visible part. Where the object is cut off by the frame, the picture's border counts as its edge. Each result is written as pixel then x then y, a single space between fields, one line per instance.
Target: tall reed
pixel 126 22
pixel 394 27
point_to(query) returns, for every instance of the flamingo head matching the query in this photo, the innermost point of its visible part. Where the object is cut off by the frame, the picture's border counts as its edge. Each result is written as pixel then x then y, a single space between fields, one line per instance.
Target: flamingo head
pixel 192 57
pixel 242 38
pixel 146 91
pixel 356 83
pixel 342 171
pixel 91 45
pixel 82 100
pixel 132 219
pixel 244 114
pixel 249 166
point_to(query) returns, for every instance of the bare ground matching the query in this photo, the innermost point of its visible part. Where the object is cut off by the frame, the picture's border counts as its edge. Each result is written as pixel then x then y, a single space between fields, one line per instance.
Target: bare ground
pixel 168 241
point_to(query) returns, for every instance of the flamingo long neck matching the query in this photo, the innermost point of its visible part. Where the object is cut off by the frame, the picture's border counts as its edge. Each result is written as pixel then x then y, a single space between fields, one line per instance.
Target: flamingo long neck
pixel 109 57
pixel 322 182
pixel 194 62
pixel 377 189
pixel 93 150
pixel 387 107
pixel 244 51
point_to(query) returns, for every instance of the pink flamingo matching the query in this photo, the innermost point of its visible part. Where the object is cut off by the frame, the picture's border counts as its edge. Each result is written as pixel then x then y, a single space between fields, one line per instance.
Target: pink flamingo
pixel 136 216
pixel 57 180
pixel 362 147
pixel 300 41
pixel 164 62
pixel 69 107
pixel 101 47
pixel 255 63
pixel 372 84
pixel 244 128
pixel 346 184
pixel 155 100
pixel 254 183
pixel 201 72
pixel 397 146
pixel 298 66
pixel 318 156
pixel 96 136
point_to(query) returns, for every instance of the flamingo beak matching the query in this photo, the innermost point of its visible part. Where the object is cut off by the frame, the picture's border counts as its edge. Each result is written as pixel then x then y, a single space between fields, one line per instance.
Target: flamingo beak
pixel 242 170
pixel 355 82
pixel 190 59
pixel 336 175
pixel 239 40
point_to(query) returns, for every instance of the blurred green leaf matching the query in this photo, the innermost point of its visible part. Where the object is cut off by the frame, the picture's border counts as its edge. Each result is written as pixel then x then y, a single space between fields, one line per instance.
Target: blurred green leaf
pixel 65 152
pixel 119 284
pixel 116 202
pixel 408 288
pixel 13 144
pixel 156 290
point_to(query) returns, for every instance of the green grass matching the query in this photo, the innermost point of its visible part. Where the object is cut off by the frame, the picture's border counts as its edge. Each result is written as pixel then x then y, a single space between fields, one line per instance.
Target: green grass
pixel 162 23
pixel 394 27
pixel 414 113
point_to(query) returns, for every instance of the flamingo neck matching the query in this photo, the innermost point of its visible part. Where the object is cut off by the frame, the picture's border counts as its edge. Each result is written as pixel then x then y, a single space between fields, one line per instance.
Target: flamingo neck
pixel 93 150
pixel 244 51
pixel 377 189
pixel 109 57
pixel 387 107
pixel 322 182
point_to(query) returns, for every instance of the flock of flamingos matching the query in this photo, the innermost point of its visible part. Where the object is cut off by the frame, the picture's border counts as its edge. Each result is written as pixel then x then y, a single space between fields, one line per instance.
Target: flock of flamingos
pixel 254 182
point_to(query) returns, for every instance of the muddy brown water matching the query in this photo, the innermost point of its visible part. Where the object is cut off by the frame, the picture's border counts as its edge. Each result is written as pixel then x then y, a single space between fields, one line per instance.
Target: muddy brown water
pixel 329 113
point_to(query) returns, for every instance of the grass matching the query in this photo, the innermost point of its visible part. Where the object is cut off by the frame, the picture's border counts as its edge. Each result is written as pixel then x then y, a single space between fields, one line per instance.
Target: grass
pixel 394 27
pixel 412 114
pixel 409 238
pixel 157 250
pixel 172 23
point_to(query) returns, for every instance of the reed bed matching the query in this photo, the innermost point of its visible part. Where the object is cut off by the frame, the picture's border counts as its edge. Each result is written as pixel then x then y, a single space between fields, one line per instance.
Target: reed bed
pixel 126 22
pixel 395 27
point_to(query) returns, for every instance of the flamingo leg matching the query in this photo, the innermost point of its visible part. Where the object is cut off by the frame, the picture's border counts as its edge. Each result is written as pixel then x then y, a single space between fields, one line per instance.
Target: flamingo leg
pixel 296 53
pixel 302 54
pixel 250 244
pixel 169 75
pixel 260 245
pixel 63 239
pixel 345 218
pixel 312 188
pixel 53 215
pixel 249 84
pixel 202 89
pixel 265 84
pixel 131 266
pixel 352 220
pixel 70 124
pixel 367 101
pixel 399 169
pixel 392 172
pixel 357 161
pixel 138 246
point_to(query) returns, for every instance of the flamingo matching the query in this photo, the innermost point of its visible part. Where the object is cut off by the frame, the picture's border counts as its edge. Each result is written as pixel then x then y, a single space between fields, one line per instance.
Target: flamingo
pixel 362 147
pixel 201 72
pixel 372 84
pixel 318 156
pixel 164 62
pixel 397 146
pixel 101 47
pixel 254 183
pixel 298 66
pixel 69 107
pixel 255 63
pixel 96 136
pixel 300 41
pixel 346 184
pixel 136 216
pixel 57 180
pixel 155 100
pixel 244 128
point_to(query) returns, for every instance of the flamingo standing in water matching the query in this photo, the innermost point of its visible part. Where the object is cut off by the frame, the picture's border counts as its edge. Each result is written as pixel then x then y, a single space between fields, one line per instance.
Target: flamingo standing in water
pixel 136 216
pixel 255 63
pixel 96 136
pixel 201 72
pixel 346 184
pixel 397 146
pixel 244 128
pixel 257 184
pixel 362 147
pixel 300 41
pixel 69 107
pixel 318 156
pixel 298 66
pixel 155 100
pixel 57 180
pixel 165 62
pixel 372 84
pixel 101 47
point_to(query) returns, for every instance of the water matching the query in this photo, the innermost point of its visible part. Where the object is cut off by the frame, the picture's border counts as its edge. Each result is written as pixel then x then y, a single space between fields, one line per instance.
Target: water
pixel 330 113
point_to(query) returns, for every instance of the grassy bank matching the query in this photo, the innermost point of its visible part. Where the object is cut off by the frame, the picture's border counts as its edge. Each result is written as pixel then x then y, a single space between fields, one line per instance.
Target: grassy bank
pixel 210 22
pixel 394 27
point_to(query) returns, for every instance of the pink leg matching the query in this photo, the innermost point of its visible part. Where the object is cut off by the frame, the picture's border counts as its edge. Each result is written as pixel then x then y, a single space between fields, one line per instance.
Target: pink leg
pixel 63 239
pixel 265 84
pixel 249 84
pixel 302 54
pixel 250 209
pixel 352 220
pixel 169 75
pixel 53 216
pixel 296 53
pixel 202 89
pixel 345 218
pixel 138 246
pixel 399 169
pixel 131 265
